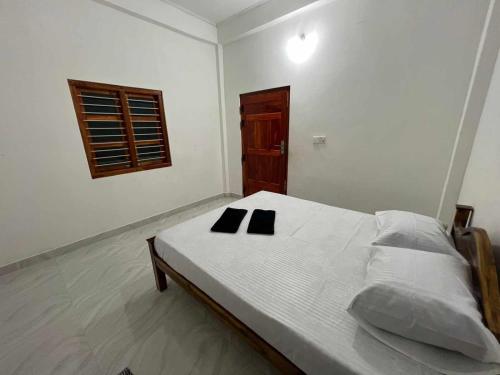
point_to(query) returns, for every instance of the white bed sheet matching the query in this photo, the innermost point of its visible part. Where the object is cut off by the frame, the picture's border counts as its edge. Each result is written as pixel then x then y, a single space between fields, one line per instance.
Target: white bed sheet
pixel 293 288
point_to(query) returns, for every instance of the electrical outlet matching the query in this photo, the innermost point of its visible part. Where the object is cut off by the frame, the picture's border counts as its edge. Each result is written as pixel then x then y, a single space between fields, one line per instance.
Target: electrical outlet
pixel 319 139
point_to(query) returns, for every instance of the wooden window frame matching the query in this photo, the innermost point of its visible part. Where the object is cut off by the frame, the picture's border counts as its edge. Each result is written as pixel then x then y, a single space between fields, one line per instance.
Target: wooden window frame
pixel 96 171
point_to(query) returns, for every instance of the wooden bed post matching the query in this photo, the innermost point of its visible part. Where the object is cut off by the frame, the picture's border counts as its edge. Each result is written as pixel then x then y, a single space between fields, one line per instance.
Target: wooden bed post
pixel 160 277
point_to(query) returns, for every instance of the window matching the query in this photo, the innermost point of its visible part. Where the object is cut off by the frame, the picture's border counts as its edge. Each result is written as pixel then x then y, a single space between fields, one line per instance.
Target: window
pixel 123 128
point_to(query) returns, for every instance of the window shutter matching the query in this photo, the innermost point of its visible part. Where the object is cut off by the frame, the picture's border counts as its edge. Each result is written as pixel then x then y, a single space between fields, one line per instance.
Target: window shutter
pixel 150 141
pixel 123 129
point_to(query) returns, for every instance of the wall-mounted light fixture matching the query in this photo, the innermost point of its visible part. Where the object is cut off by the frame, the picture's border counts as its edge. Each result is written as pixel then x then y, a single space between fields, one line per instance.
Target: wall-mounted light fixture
pixel 301 47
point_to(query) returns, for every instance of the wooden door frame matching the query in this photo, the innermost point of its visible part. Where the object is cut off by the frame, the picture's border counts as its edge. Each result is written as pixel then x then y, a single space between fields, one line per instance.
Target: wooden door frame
pixel 286 122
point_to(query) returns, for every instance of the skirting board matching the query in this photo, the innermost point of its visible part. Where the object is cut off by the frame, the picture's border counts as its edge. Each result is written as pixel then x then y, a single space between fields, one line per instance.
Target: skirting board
pixel 87 241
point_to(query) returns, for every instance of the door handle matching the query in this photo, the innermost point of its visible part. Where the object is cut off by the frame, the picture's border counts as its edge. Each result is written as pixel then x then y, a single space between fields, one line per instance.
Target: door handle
pixel 282 147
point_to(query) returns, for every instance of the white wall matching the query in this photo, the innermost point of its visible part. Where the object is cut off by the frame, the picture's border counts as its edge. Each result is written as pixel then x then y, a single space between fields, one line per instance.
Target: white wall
pixel 386 85
pixel 48 198
pixel 168 15
pixel 254 18
pixel 471 114
pixel 481 186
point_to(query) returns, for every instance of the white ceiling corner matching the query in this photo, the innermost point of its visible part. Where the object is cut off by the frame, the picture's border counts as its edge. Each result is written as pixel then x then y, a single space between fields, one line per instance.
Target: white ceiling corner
pixel 214 11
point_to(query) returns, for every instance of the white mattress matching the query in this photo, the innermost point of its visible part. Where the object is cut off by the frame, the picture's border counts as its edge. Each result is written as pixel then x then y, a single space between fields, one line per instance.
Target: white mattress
pixel 293 288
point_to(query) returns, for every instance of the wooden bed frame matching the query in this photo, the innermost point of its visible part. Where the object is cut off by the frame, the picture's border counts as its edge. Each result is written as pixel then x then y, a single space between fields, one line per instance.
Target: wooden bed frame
pixel 472 243
pixel 160 268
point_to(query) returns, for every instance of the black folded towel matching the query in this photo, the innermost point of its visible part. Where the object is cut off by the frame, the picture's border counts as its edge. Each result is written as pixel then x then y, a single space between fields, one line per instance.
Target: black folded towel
pixel 262 222
pixel 230 221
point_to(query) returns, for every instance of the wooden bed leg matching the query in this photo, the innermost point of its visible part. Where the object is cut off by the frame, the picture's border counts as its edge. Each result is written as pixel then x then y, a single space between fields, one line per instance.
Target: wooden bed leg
pixel 160 277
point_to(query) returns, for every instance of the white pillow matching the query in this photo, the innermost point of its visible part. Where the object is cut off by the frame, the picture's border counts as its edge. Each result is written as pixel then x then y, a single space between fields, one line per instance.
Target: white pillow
pixel 425 297
pixel 413 231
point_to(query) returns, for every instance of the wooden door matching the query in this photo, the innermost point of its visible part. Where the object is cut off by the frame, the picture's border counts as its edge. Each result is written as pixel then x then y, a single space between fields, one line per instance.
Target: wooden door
pixel 264 140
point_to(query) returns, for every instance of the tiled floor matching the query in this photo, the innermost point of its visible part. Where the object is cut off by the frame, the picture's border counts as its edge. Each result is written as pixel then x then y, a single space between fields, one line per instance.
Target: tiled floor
pixel 96 310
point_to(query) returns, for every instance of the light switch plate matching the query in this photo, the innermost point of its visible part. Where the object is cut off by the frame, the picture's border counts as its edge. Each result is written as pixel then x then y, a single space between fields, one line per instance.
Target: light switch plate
pixel 319 139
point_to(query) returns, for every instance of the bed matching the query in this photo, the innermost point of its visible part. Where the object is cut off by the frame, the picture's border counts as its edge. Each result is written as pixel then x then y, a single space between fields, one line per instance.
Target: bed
pixel 287 294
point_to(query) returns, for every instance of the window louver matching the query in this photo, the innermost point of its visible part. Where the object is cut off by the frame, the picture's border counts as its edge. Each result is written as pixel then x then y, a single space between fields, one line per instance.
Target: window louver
pixel 123 128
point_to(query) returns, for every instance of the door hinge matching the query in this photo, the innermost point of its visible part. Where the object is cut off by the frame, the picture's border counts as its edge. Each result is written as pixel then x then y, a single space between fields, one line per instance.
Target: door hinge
pixel 242 123
pixel 243 158
pixel 241 109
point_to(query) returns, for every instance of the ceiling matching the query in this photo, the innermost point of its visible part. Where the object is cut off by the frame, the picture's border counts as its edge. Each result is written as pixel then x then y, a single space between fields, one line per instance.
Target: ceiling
pixel 215 11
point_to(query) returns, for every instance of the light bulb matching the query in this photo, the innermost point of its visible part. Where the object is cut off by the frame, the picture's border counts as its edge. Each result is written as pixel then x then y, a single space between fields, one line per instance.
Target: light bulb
pixel 301 47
